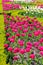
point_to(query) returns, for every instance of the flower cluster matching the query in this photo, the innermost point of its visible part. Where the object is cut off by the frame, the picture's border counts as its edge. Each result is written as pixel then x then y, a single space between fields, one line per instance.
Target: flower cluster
pixel 6 0
pixel 10 6
pixel 41 5
pixel 24 38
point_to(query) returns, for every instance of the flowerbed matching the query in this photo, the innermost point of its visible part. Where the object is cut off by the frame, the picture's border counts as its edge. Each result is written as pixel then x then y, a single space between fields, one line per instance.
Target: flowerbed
pixel 32 13
pixel 11 6
pixel 6 0
pixel 24 41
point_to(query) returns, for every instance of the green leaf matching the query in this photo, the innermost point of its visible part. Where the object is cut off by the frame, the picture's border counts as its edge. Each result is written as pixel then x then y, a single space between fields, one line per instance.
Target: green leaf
pixel 11 61
pixel 7 59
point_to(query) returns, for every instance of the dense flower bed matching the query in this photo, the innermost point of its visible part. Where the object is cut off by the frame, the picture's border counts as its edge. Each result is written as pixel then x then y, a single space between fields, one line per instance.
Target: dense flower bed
pixel 11 6
pixel 24 40
pixel 6 0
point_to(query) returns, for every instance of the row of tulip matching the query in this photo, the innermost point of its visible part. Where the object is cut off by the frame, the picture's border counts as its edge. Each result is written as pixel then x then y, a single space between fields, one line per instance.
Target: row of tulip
pixel 24 40
pixel 10 6
pixel 5 1
pixel 32 13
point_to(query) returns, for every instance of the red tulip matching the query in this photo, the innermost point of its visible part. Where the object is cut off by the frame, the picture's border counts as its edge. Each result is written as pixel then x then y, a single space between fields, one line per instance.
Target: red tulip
pixel 16 50
pixel 37 26
pixel 12 40
pixel 27 49
pixel 10 49
pixel 37 33
pixel 29 19
pixel 23 34
pixel 21 42
pixel 32 56
pixel 40 48
pixel 14 30
pixel 25 30
pixel 29 45
pixel 15 58
pixel 7 34
pixel 31 28
pixel 18 34
pixel 20 27
pixel 25 25
pixel 41 28
pixel 41 40
pixel 13 37
pixel 41 53
pixel 36 44
pixel 6 45
pixel 42 33
pixel 22 51
pixel 30 35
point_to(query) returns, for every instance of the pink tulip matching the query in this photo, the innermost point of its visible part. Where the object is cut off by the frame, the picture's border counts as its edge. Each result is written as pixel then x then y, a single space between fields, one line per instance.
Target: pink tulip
pixel 25 30
pixel 22 51
pixel 20 27
pixel 21 42
pixel 31 28
pixel 30 35
pixel 18 34
pixel 41 28
pixel 36 44
pixel 11 40
pixel 37 26
pixel 29 45
pixel 13 37
pixel 41 53
pixel 37 33
pixel 14 30
pixel 27 49
pixel 6 45
pixel 42 33
pixel 32 56
pixel 25 26
pixel 41 40
pixel 16 50
pixel 15 58
pixel 7 34
pixel 28 19
pixel 10 49
pixel 40 48
pixel 23 34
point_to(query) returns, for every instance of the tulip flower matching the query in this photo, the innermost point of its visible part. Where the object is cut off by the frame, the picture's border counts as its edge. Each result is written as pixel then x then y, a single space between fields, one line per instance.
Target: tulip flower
pixel 10 49
pixel 32 56
pixel 6 45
